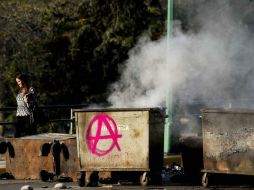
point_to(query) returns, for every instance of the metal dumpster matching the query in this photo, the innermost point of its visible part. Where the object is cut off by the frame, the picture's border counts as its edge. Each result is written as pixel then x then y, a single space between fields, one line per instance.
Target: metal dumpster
pixel 42 156
pixel 123 140
pixel 228 142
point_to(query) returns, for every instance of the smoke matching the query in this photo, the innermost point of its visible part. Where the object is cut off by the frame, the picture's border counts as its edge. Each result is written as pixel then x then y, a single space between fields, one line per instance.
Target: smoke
pixel 214 62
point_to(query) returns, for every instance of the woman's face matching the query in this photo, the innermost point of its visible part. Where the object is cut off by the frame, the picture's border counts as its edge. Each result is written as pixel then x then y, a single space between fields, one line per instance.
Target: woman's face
pixel 19 83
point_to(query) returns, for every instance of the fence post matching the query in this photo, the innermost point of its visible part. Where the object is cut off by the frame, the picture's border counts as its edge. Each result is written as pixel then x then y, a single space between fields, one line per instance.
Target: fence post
pixel 71 123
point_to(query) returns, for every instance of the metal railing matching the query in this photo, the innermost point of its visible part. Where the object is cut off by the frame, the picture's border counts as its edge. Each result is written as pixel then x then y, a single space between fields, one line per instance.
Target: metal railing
pixel 68 117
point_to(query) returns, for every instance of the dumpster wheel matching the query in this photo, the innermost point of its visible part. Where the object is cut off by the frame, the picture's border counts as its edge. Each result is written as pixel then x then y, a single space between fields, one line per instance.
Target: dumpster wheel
pixel 144 179
pixel 205 180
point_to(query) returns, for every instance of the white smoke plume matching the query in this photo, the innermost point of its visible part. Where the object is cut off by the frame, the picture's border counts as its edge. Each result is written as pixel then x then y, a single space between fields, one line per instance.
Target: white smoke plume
pixel 215 62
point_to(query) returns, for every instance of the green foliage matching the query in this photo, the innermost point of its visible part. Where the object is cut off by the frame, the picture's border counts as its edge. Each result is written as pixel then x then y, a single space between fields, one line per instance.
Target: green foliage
pixel 72 49
pixel 20 31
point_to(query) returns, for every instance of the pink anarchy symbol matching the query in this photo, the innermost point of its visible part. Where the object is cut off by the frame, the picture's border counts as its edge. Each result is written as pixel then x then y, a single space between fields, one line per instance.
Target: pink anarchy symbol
pixel 92 141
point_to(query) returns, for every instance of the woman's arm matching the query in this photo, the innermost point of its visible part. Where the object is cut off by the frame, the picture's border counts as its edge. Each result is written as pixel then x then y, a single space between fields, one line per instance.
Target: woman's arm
pixel 30 99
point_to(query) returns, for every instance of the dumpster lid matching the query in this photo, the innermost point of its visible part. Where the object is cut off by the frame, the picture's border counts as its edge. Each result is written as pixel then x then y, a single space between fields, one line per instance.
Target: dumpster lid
pixel 50 136
pixel 118 109
pixel 223 110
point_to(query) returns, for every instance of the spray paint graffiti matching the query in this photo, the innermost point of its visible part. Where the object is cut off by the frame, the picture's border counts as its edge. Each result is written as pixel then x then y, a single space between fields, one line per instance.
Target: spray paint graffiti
pixel 102 121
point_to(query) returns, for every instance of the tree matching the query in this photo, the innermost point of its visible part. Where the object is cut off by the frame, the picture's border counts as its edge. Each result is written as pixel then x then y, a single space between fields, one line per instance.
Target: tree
pixel 21 30
pixel 72 49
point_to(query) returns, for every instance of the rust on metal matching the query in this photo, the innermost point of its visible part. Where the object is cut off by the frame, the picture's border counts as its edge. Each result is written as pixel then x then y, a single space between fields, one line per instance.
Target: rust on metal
pixel 228 141
pixel 28 161
pixel 120 139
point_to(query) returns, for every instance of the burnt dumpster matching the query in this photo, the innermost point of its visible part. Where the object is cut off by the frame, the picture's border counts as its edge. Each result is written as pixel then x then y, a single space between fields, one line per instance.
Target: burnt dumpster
pixel 49 156
pixel 120 140
pixel 228 142
pixel 192 158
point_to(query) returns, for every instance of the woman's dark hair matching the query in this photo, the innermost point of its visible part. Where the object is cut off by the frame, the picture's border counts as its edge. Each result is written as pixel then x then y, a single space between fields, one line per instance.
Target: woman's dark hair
pixel 24 78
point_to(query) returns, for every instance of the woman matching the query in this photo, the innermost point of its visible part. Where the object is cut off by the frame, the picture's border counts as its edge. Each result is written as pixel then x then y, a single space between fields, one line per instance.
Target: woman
pixel 25 104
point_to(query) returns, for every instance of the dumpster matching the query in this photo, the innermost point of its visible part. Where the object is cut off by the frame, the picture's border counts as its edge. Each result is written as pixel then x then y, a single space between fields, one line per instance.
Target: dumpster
pixel 46 156
pixel 120 140
pixel 192 157
pixel 228 142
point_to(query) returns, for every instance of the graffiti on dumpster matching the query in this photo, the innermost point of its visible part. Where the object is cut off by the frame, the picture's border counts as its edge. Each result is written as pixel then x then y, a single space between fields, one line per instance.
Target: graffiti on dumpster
pixel 94 134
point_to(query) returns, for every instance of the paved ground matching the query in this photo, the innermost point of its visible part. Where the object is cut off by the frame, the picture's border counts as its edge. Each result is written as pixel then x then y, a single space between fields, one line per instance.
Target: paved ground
pixel 224 182
pixel 172 181
pixel 37 185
